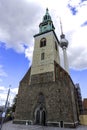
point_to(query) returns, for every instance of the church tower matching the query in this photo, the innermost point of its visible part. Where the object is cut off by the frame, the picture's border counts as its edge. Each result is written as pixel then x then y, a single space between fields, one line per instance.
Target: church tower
pixel 46 93
pixel 46 49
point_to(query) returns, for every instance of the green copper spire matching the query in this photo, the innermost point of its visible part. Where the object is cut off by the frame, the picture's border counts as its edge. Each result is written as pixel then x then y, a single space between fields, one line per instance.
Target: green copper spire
pixel 47 16
pixel 46 24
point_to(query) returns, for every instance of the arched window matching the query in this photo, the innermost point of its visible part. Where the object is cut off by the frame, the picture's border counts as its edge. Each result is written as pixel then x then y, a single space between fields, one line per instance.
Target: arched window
pixel 43 42
pixel 55 45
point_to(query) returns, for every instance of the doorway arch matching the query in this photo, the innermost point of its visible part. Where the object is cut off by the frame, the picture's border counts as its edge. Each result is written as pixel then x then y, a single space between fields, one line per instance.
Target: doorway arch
pixel 43 118
pixel 40 116
pixel 61 124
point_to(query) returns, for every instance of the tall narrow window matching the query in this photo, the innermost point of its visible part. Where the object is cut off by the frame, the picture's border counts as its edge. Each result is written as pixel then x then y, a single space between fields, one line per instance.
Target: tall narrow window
pixel 42 56
pixel 43 42
pixel 55 45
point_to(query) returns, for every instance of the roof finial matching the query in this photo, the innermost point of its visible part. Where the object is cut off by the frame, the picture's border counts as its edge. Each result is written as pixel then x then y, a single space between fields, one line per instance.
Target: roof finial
pixel 47 10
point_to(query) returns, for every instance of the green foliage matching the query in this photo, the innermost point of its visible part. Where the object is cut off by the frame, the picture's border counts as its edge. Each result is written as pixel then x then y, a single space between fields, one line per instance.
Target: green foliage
pixel 14 103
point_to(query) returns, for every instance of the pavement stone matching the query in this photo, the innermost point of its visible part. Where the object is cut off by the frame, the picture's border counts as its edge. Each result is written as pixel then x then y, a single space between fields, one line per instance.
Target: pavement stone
pixel 11 126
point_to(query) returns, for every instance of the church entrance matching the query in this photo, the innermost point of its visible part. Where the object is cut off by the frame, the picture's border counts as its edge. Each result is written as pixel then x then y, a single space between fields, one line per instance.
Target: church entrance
pixel 40 116
pixel 61 124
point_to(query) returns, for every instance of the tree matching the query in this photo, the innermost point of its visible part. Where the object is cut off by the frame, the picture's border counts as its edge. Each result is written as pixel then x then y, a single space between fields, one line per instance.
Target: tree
pixel 14 103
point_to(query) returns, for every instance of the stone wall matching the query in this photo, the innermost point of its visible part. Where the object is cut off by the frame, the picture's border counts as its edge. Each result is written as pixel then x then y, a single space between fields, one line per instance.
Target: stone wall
pixel 47 65
pixel 58 102
pixel 83 119
pixel 42 78
pixel 59 97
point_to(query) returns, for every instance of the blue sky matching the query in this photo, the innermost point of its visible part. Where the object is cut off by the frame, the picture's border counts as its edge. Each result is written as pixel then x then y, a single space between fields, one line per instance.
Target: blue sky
pixel 20 22
pixel 14 65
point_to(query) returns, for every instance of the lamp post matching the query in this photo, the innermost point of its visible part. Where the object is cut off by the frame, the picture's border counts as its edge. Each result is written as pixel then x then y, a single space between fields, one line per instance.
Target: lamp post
pixel 5 109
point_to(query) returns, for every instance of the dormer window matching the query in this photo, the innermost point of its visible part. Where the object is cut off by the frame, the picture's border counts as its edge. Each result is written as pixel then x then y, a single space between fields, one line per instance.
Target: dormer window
pixel 43 42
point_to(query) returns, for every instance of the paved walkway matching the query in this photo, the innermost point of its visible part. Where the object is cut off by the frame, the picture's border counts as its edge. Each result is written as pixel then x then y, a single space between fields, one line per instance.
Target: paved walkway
pixel 10 126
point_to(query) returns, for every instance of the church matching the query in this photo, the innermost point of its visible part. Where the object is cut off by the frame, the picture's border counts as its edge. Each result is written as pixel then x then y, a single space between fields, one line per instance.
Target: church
pixel 46 93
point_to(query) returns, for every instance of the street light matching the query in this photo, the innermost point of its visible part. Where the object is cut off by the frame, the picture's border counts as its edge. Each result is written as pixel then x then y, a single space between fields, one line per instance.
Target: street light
pixel 5 109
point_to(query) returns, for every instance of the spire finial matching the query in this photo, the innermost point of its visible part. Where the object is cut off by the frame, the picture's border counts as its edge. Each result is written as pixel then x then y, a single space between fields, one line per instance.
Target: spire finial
pixel 47 10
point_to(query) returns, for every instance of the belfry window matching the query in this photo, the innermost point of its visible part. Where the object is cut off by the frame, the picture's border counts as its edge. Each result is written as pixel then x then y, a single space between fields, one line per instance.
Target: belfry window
pixel 43 42
pixel 42 56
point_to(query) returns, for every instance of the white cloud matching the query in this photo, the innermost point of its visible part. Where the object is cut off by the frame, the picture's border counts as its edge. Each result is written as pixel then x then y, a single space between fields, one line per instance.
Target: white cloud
pixel 17 23
pixel 29 53
pixel 3 95
pixel 4 36
pixel 4 92
pixel 14 90
pixel 2 88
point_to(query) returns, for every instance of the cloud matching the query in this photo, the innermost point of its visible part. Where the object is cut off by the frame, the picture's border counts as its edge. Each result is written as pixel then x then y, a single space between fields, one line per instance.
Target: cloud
pixel 3 95
pixel 29 53
pixel 17 23
pixel 4 92
pixel 84 24
pixel 77 51
pixel 14 90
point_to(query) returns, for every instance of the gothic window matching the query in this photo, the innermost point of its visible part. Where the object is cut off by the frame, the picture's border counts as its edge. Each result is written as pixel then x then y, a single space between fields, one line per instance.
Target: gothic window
pixel 43 42
pixel 42 56
pixel 55 45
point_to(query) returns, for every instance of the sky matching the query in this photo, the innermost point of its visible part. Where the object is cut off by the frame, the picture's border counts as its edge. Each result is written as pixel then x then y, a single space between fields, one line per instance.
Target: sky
pixel 19 22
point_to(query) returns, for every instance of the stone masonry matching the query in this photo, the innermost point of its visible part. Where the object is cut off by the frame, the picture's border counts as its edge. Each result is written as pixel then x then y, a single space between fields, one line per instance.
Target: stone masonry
pixel 59 100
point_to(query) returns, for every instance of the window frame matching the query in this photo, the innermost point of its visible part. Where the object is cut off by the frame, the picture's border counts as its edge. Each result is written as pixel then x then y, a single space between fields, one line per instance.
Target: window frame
pixel 56 46
pixel 43 42
pixel 42 56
